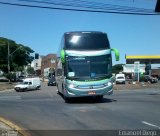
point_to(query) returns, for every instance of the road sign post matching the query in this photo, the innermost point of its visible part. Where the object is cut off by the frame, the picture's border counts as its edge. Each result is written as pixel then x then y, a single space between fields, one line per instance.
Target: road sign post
pixel 136 70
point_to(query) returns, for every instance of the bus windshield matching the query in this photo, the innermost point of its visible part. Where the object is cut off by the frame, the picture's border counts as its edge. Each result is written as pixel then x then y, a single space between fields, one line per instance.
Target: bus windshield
pixel 86 41
pixel 88 67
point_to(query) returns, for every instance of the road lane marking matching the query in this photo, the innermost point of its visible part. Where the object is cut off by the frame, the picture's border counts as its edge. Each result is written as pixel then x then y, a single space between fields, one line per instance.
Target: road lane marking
pixel 149 124
pixel 10 97
pixel 15 127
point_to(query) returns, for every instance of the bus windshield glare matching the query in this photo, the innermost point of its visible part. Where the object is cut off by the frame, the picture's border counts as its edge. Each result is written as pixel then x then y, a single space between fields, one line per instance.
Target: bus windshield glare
pixel 88 67
pixel 86 41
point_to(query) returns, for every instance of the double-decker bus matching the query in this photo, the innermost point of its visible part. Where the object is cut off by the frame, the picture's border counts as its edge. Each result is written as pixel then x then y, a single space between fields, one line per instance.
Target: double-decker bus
pixel 85 65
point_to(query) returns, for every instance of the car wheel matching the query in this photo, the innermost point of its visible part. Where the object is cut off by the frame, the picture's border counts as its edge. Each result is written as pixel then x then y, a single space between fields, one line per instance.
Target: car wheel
pixel 16 90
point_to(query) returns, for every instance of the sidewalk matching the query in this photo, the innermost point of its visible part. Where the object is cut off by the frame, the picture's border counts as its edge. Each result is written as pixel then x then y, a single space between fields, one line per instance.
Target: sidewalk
pixel 7 128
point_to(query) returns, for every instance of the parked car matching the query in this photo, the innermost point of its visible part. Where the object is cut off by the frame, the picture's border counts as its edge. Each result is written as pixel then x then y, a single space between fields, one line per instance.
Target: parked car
pixel 20 78
pixel 3 79
pixel 28 84
pixel 150 79
pixel 52 82
pixel 120 79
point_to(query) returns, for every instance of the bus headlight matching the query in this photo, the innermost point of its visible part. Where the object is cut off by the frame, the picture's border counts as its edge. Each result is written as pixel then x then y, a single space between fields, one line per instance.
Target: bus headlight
pixel 72 86
pixel 108 84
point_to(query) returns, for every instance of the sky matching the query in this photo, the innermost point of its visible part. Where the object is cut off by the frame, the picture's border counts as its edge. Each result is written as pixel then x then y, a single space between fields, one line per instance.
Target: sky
pixel 42 29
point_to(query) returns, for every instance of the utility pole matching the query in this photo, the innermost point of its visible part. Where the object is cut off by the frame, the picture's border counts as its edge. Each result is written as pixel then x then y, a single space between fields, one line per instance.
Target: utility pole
pixel 8 57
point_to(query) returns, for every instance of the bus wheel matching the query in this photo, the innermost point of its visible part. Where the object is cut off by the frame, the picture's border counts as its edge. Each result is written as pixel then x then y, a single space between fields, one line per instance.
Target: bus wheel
pixel 66 99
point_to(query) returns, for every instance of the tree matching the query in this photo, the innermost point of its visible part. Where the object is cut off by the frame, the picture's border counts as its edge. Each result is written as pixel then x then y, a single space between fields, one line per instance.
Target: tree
pixel 30 71
pixel 117 68
pixel 10 76
pixel 19 55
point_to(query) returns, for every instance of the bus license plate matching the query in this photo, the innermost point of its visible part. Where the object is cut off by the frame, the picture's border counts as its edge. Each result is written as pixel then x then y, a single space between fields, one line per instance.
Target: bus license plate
pixel 91 93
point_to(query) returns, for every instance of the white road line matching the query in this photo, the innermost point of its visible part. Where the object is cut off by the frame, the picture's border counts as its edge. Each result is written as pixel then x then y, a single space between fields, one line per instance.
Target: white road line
pixel 149 124
pixel 10 97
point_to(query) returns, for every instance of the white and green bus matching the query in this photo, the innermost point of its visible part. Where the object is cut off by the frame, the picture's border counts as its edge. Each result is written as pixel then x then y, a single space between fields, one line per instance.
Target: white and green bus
pixel 85 65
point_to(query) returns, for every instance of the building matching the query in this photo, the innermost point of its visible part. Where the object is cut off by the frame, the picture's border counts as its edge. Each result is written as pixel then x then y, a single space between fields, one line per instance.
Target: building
pixel 129 69
pixel 48 65
pixel 155 72
pixel 144 65
pixel 143 59
pixel 36 64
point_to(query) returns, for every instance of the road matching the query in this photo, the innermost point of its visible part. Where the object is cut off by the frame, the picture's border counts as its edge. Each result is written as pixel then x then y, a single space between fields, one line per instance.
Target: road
pixel 44 110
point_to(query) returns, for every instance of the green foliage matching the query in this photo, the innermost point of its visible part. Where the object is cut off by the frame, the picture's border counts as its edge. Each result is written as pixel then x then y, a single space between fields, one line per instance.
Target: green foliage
pixel 117 68
pixel 10 76
pixel 30 71
pixel 19 55
pixel 142 78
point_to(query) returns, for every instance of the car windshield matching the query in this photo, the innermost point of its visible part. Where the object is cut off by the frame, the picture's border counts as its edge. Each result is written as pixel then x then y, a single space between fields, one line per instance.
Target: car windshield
pixel 25 83
pixel 120 77
pixel 89 67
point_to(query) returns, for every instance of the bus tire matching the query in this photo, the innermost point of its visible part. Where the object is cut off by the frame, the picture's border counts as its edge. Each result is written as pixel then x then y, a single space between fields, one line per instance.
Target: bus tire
pixel 66 99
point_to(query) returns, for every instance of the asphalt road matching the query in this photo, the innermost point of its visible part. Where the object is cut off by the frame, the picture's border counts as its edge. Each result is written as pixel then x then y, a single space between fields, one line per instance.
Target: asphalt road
pixel 44 109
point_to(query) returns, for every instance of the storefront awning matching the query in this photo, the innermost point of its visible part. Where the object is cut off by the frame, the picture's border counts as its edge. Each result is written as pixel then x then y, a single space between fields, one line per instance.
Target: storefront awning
pixel 143 59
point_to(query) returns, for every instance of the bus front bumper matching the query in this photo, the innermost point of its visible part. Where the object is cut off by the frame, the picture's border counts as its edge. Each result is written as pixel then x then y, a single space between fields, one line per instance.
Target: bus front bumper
pixel 74 92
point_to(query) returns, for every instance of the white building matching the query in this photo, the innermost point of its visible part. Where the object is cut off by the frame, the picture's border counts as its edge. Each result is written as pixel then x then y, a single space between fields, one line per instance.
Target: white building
pixel 36 64
pixel 129 69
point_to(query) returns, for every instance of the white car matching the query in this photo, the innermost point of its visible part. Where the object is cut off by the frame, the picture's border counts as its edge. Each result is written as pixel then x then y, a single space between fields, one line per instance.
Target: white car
pixel 28 84
pixel 120 79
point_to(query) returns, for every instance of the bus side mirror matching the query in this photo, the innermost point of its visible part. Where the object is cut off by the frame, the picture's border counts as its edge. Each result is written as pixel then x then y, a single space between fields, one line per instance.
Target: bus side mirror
pixel 116 53
pixel 63 56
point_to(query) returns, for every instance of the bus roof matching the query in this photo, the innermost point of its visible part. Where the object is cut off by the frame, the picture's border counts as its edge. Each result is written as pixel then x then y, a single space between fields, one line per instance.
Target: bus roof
pixel 81 32
pixel 86 40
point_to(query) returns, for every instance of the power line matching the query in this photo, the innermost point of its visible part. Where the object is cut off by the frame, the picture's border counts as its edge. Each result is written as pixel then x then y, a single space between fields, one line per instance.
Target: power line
pixel 72 9
pixel 91 5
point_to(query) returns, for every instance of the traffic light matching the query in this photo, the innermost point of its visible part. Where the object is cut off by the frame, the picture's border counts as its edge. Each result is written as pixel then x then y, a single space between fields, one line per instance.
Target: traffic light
pixel 157 8
pixel 36 56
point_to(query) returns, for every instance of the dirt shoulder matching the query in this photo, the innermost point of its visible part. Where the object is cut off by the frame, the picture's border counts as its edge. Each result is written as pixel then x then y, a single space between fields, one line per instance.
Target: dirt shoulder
pixel 6 86
pixel 136 86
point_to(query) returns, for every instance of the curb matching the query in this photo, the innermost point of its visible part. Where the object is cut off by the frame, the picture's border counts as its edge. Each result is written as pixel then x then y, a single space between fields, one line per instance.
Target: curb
pixel 15 127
